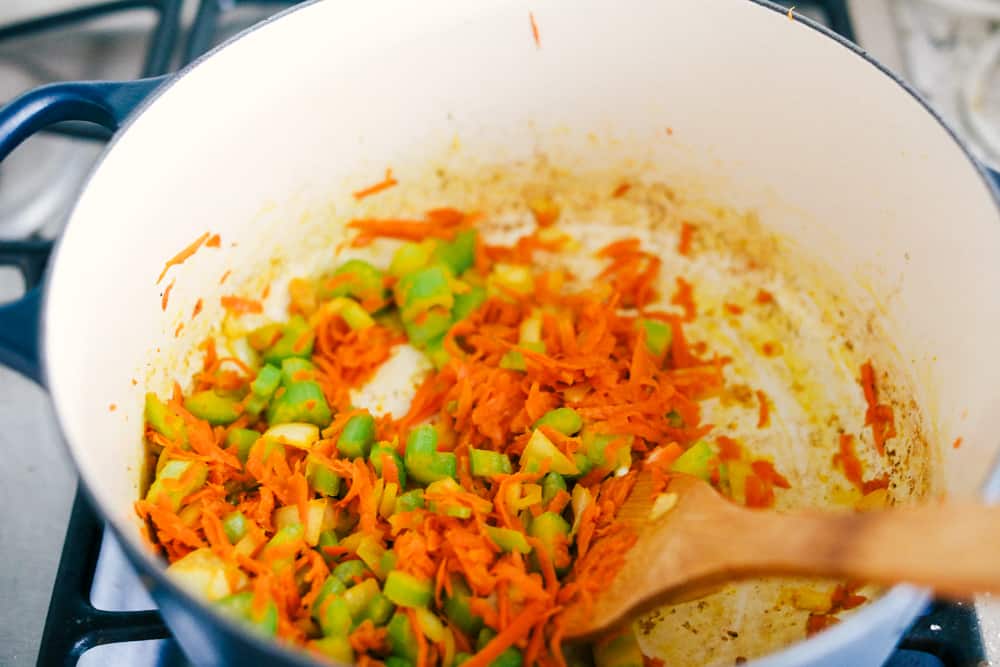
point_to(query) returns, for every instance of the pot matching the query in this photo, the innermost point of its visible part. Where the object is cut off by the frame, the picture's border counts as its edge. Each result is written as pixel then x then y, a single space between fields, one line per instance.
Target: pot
pixel 263 140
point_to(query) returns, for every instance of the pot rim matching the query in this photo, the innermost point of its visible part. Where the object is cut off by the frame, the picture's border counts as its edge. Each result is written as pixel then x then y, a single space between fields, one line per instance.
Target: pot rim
pixel 901 601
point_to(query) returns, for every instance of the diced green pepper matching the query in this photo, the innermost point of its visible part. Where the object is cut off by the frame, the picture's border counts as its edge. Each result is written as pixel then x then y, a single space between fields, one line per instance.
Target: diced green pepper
pixel 389 561
pixel 163 420
pixel 243 439
pixel 435 351
pixel 332 586
pixel 424 464
pixel 370 552
pixel 214 408
pixel 267 381
pixel 468 301
pixel 240 607
pixel 596 446
pixel 356 439
pixel 284 536
pixel 402 638
pixel 411 257
pixel 327 538
pixel 349 571
pixel 296 369
pixel 552 531
pixel 422 290
pixel 300 402
pixel 296 340
pixel 622 651
pixel 659 336
pixel 235 526
pixel 695 461
pixel 428 325
pixel 457 609
pixel 509 539
pixel 336 647
pixel 378 611
pixel 409 501
pixel 264 337
pixel 486 463
pixel 461 658
pixel 355 278
pixel 360 595
pixel 176 480
pixel 396 661
pixel 565 420
pixel 484 637
pixel 514 359
pixel 382 450
pixel 511 657
pixel 321 478
pixel 407 590
pixel 540 449
pixel 459 253
pixel 552 484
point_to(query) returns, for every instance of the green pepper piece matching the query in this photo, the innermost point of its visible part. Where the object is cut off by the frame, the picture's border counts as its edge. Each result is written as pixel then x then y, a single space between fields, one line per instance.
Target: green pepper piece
pixel 349 571
pixel 356 439
pixel 164 420
pixel 296 340
pixel 240 607
pixel 424 464
pixel 466 302
pixel 332 586
pixel 355 278
pixel 214 408
pixel 377 455
pixel 695 461
pixel 354 314
pixel 264 337
pixel 370 552
pixel 296 369
pixel 409 501
pixel 552 484
pixel 435 351
pixel 422 290
pixel 460 659
pixel 336 647
pixel 388 561
pixel 267 381
pixel 189 476
pixel 286 535
pixel 659 336
pixel 622 651
pixel 457 609
pixel 360 595
pixel 509 539
pixel 321 478
pixel 378 611
pixel 674 419
pixel 402 638
pixel 552 531
pixel 484 637
pixel 596 446
pixel 407 590
pixel 327 538
pixel 300 402
pixel 411 257
pixel 514 359
pixel 511 657
pixel 428 325
pixel 565 420
pixel 459 253
pixel 582 463
pixel 396 661
pixel 243 439
pixel 235 526
pixel 486 463
pixel 540 449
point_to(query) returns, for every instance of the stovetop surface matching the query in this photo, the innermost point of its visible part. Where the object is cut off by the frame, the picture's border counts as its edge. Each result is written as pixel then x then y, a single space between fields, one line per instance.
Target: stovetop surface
pixel 37 184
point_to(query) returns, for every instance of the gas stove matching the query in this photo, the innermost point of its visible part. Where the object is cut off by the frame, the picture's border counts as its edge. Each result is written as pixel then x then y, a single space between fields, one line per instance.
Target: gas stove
pixel 87 606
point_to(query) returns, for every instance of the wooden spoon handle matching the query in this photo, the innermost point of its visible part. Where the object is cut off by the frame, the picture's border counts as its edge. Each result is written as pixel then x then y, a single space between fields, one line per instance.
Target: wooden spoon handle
pixel 953 548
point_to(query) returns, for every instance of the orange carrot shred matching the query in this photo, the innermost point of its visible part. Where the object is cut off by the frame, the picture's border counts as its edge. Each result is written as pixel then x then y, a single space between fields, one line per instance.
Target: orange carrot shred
pixel 166 295
pixel 239 305
pixel 213 241
pixel 957 443
pixel 764 414
pixel 687 234
pixel 183 255
pixel 534 30
pixel 384 184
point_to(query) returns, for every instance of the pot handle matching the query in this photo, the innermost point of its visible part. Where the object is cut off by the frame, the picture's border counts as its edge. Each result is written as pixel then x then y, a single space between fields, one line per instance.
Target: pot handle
pixel 106 103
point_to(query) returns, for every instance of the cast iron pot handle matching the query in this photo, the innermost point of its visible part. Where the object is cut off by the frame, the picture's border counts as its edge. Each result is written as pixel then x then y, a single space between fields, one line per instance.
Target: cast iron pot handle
pixel 105 103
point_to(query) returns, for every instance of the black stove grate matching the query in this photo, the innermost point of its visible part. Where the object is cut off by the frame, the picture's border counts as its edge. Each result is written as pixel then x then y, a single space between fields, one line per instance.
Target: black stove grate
pixel 945 636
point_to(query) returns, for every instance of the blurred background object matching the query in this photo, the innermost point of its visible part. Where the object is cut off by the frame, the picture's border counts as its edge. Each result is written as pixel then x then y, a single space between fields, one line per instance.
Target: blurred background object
pixel 947 49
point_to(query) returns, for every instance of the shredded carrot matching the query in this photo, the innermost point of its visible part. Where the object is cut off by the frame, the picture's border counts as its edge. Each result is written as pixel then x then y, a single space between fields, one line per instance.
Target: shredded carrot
pixel 879 415
pixel 957 443
pixel 684 297
pixel 771 348
pixel 214 241
pixel 384 184
pixel 435 225
pixel 224 276
pixel 197 308
pixel 687 234
pixel 729 449
pixel 621 190
pixel 178 329
pixel 849 461
pixel 763 297
pixel 183 255
pixel 733 309
pixel 239 305
pixel 517 630
pixel 166 295
pixel 534 30
pixel 764 414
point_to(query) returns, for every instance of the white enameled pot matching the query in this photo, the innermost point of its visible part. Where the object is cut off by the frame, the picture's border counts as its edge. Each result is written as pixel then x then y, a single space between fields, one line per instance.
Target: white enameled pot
pixel 262 139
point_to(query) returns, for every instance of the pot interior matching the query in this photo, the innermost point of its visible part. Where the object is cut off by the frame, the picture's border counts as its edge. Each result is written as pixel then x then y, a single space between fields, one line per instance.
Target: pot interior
pixel 878 224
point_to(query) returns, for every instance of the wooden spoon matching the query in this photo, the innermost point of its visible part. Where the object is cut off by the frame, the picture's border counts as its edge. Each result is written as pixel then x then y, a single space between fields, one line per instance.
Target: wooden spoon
pixel 704 540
